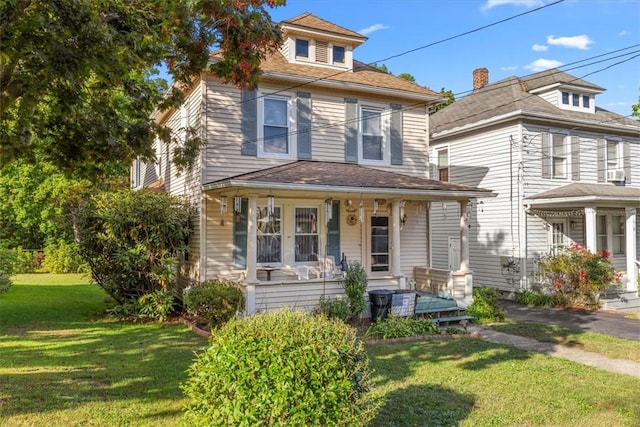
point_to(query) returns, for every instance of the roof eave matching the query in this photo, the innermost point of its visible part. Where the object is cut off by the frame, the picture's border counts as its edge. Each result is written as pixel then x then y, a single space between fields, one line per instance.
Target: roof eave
pixel 582 200
pixel 482 123
pixel 323 189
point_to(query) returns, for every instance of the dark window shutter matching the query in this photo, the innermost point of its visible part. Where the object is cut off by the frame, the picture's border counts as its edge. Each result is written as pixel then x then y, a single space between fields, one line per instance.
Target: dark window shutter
pixel 396 134
pixel 602 160
pixel 546 156
pixel 333 233
pixel 249 123
pixel 304 125
pixel 240 235
pixel 575 158
pixel 626 161
pixel 351 130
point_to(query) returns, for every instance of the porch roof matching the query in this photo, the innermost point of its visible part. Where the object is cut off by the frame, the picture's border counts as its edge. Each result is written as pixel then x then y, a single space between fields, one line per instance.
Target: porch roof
pixel 335 178
pixel 580 194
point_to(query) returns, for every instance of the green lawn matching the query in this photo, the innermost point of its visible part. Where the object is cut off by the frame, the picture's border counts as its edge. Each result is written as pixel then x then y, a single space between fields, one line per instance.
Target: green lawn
pixel 61 364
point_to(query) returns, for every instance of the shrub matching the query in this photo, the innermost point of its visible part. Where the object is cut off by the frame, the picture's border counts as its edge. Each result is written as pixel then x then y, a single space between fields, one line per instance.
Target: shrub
pixel 7 268
pixel 578 274
pixel 398 327
pixel 284 368
pixel 27 261
pixel 214 302
pixel 355 286
pixel 485 307
pixel 156 306
pixel 539 299
pixel 334 308
pixel 132 241
pixel 63 257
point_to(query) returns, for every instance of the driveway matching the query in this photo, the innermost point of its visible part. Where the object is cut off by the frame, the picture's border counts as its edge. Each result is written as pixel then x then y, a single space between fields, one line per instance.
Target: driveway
pixel 592 321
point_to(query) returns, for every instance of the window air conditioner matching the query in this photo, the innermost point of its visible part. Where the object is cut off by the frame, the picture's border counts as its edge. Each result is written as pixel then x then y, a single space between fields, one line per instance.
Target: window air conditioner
pixel 616 175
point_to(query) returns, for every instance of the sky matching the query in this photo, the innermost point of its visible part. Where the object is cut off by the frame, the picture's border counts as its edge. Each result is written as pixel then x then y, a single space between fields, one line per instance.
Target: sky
pixel 441 42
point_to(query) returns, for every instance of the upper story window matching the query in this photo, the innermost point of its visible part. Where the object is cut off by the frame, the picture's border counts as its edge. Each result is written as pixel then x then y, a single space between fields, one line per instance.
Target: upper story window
pixel 302 48
pixel 574 100
pixel 586 101
pixel 614 155
pixel 274 136
pixel 443 164
pixel 338 54
pixel 373 138
pixel 559 160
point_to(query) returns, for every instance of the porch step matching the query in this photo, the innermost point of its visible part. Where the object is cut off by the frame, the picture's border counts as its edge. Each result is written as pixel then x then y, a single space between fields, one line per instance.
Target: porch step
pixel 620 300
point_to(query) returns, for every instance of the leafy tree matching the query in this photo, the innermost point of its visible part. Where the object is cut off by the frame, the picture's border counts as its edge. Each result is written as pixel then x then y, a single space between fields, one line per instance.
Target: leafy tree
pixel 635 110
pixel 450 99
pixel 78 80
pixel 408 77
pixel 382 67
pixel 132 241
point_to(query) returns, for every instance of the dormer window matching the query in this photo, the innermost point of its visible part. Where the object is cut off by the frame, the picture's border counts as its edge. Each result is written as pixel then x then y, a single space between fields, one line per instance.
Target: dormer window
pixel 302 48
pixel 575 101
pixel 338 54
pixel 585 101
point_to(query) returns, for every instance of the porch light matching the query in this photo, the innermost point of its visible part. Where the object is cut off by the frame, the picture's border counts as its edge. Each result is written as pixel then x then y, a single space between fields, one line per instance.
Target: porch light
pixel 328 209
pixel 270 205
pixel 375 207
pixel 223 204
pixel 237 204
pixel 361 211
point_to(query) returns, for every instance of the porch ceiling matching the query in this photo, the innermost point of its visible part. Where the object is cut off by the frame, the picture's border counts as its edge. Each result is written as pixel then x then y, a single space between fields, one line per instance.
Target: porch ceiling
pixel 583 194
pixel 333 178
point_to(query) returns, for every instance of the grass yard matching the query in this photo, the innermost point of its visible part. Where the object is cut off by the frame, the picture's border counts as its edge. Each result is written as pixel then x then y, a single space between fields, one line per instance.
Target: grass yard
pixel 62 364
pixel 615 348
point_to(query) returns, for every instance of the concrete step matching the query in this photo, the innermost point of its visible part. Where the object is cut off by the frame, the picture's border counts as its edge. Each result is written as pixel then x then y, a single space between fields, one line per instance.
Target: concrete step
pixel 620 300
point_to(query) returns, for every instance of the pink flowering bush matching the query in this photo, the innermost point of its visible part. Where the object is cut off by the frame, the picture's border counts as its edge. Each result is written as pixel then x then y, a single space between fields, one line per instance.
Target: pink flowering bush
pixel 578 275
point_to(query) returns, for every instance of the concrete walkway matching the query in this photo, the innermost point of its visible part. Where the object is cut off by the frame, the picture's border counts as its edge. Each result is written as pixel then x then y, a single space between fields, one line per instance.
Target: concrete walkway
pixel 593 321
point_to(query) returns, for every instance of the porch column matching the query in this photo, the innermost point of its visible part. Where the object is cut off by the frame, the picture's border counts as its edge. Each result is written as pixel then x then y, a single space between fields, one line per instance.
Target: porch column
pixel 252 254
pixel 590 229
pixel 395 238
pixel 465 207
pixel 630 232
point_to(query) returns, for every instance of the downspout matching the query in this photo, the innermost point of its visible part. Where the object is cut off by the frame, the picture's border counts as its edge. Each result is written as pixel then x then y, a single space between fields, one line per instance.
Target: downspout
pixel 522 213
pixel 203 197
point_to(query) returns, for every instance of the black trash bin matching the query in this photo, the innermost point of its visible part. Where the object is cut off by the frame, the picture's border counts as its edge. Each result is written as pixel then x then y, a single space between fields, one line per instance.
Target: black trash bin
pixel 380 300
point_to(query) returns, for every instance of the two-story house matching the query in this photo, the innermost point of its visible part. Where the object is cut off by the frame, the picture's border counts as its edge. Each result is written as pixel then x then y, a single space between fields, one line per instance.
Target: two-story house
pixel 564 169
pixel 327 159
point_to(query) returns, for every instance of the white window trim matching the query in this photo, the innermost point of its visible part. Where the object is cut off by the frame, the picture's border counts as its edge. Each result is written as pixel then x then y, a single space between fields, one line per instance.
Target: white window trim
pixel 619 154
pixel 369 255
pixel 385 118
pixel 609 235
pixel 282 237
pixel 566 142
pixel 311 51
pixel 137 173
pixel 294 233
pixel 436 164
pixel 580 107
pixel 291 125
pixel 332 61
pixel 565 238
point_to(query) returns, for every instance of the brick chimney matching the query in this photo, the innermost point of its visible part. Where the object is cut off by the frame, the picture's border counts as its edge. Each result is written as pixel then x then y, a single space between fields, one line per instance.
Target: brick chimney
pixel 480 78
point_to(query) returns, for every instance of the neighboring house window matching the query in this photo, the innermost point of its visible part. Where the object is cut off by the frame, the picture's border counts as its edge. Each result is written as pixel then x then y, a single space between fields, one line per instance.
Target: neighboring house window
pixel 306 234
pixel 558 157
pixel 302 48
pixel 565 98
pixel 274 137
pixel 372 133
pixel 443 164
pixel 269 235
pixel 379 243
pixel 338 54
pixel 610 233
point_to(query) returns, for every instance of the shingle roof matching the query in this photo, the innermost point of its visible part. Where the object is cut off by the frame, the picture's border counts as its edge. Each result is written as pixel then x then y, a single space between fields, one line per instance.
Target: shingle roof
pixel 346 176
pixel 308 20
pixel 361 74
pixel 511 95
pixel 578 189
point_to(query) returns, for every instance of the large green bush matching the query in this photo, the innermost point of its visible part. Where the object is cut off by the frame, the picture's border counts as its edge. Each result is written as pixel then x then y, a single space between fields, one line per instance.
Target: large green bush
pixel 485 307
pixel 281 369
pixel 7 268
pixel 334 308
pixel 63 257
pixel 132 241
pixel 578 274
pixel 399 327
pixel 214 302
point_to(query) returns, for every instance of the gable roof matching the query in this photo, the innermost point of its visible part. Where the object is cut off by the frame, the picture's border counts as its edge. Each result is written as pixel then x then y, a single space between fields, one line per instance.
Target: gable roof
pixel 309 175
pixel 312 22
pixel 511 99
pixel 579 193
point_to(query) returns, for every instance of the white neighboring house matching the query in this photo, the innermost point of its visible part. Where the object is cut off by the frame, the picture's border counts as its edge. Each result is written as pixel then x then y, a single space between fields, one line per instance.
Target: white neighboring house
pixel 327 158
pixel 564 169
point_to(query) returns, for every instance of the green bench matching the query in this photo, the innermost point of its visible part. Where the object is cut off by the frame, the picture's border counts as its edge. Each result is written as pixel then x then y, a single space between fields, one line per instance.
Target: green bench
pixel 440 310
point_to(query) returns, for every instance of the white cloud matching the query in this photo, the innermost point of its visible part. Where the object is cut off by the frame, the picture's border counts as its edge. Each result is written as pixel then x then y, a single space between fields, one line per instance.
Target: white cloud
pixel 539 47
pixel 372 28
pixel 543 64
pixel 581 42
pixel 509 68
pixel 526 3
pixel 624 33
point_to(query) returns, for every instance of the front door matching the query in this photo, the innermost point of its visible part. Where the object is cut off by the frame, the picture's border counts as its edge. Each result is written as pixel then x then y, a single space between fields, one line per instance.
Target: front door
pixel 557 235
pixel 379 244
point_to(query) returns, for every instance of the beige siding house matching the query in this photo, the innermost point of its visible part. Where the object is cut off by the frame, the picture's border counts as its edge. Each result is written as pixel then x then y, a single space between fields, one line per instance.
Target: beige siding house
pixel 564 170
pixel 327 160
